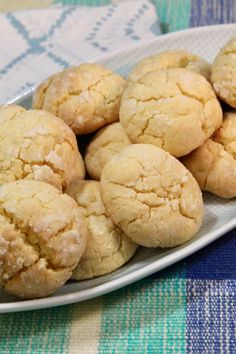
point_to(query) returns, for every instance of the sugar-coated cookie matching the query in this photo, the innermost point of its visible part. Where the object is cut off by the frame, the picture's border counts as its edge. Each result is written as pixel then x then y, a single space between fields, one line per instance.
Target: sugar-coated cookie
pixel 106 143
pixel 37 145
pixel 42 237
pixel 151 196
pixel 171 59
pixel 86 97
pixel 223 75
pixel 107 247
pixel 214 163
pixel 174 109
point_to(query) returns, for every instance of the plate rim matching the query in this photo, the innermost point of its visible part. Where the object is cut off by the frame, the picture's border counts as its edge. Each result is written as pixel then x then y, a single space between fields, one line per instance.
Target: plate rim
pixel 181 252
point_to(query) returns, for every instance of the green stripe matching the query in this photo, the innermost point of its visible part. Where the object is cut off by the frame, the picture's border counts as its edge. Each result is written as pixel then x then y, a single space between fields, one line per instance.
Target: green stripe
pixel 147 317
pixel 84 2
pixel 173 15
pixel 44 331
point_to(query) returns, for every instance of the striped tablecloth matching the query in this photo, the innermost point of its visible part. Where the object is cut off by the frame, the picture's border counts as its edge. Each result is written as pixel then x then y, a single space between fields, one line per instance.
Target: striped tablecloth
pixel 189 308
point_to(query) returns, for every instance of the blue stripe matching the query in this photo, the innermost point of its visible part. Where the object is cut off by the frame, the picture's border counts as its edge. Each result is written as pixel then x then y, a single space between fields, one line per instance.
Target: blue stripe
pixel 211 12
pixel 97 27
pixel 211 315
pixel 18 59
pixel 58 59
pixel 34 44
pixel 16 23
pixel 18 26
pixel 65 13
pixel 217 261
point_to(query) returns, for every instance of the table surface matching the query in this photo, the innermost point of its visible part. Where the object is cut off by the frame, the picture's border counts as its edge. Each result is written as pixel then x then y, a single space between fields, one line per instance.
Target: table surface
pixel 188 308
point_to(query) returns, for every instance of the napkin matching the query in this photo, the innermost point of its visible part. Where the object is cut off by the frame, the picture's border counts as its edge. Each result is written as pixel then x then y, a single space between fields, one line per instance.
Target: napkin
pixel 36 43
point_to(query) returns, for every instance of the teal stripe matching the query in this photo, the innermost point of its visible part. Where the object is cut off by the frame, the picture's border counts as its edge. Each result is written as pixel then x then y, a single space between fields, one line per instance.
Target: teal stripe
pixel 147 317
pixel 173 15
pixel 44 331
pixel 84 2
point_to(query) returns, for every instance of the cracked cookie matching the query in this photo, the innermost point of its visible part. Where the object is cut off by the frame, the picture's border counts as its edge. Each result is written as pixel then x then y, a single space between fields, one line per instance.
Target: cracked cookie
pixel 171 59
pixel 174 109
pixel 151 196
pixel 42 237
pixel 106 143
pixel 223 75
pixel 86 97
pixel 39 146
pixel 214 163
pixel 107 247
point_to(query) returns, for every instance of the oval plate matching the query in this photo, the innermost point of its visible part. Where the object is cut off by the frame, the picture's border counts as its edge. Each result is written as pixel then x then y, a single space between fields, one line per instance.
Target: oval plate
pixel 219 214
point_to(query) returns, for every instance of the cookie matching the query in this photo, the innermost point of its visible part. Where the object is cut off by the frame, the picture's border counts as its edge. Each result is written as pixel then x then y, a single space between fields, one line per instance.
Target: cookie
pixel 107 248
pixel 42 237
pixel 174 109
pixel 86 97
pixel 106 143
pixel 151 196
pixel 168 60
pixel 214 163
pixel 37 145
pixel 223 75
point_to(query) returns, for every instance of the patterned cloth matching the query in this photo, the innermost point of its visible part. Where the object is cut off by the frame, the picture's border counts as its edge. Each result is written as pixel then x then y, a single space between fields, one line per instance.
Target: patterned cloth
pixel 188 308
pixel 67 35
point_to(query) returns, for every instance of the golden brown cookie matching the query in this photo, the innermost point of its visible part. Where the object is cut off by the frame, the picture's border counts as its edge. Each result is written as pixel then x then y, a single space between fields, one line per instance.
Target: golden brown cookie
pixel 223 75
pixel 171 59
pixel 174 109
pixel 107 247
pixel 42 237
pixel 37 145
pixel 214 163
pixel 151 196
pixel 106 143
pixel 86 97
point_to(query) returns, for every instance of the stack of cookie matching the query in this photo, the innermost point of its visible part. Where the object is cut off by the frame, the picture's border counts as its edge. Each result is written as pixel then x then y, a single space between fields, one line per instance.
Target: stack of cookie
pixel 157 138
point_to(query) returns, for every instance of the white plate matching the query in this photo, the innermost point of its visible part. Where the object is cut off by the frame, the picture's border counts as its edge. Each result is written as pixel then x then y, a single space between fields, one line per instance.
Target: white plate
pixel 219 214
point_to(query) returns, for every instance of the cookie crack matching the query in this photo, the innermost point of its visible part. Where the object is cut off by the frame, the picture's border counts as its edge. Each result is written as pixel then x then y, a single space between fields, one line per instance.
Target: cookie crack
pixel 224 145
pixel 11 220
pixel 77 93
pixel 210 168
pixel 101 258
pixel 187 94
pixel 18 274
pixel 58 171
pixel 27 234
pixel 201 101
pixel 184 214
pixel 155 191
pixel 32 163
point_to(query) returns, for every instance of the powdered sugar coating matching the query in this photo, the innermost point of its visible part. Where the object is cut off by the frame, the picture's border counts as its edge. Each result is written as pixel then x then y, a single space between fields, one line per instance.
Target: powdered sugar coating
pixel 151 196
pixel 39 146
pixel 43 235
pixel 107 247
pixel 86 97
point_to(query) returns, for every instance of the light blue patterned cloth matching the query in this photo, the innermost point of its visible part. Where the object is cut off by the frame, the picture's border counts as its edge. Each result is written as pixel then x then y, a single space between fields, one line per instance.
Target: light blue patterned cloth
pixel 38 43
